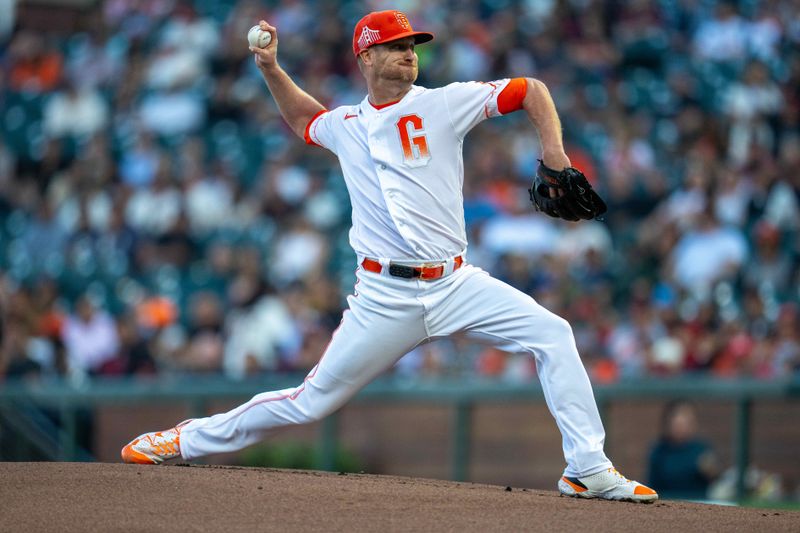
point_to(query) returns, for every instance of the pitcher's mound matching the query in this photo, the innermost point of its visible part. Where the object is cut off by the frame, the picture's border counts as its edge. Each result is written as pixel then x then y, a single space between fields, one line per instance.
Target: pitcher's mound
pixel 67 497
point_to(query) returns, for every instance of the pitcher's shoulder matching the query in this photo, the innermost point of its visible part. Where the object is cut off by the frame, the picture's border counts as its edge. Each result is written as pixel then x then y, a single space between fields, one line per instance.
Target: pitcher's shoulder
pixel 341 113
pixel 428 93
pixel 342 110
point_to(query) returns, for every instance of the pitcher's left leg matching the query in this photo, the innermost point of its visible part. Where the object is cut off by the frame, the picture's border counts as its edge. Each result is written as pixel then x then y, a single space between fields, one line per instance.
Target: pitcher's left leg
pixel 492 312
pixel 486 309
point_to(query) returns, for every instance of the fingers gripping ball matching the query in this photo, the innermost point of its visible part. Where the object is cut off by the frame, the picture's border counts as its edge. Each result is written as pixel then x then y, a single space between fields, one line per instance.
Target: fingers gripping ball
pixel 258 38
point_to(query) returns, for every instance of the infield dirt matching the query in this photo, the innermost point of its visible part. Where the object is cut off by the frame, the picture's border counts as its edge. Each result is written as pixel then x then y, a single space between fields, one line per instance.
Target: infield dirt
pixel 68 497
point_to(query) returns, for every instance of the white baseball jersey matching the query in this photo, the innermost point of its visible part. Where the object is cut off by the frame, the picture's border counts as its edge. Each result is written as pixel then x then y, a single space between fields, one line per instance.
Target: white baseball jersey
pixel 403 165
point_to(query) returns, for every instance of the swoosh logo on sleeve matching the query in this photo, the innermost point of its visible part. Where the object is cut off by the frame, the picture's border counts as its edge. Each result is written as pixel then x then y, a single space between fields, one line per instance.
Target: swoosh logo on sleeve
pixel 349 116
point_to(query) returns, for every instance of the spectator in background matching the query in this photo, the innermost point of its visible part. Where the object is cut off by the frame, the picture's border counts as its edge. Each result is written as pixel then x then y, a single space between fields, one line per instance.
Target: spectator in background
pixel 769 270
pixel 90 337
pixel 155 209
pixel 45 345
pixel 156 321
pixel 783 203
pixel 140 161
pixel 88 186
pixel 630 340
pixel 732 196
pixel 765 31
pixel 753 106
pixel 119 240
pixel 135 356
pixel 256 328
pixel 578 241
pixel 530 235
pixel 736 349
pixel 299 253
pixel 34 66
pixel 681 464
pixel 668 352
pixel 787 351
pixel 44 238
pixel 686 202
pixel 15 361
pixel 706 254
pixel 76 111
pixel 93 60
pixel 209 200
pixel 722 37
pixel 631 162
pixel 205 343
pixel 174 105
pixel 187 30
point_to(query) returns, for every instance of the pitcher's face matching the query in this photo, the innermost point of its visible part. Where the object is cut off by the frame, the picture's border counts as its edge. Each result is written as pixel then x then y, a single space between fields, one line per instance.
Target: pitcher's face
pixel 395 60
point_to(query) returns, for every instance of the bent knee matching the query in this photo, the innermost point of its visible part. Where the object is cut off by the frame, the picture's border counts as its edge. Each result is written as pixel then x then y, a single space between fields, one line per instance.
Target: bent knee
pixel 318 408
pixel 561 326
pixel 318 412
pixel 556 330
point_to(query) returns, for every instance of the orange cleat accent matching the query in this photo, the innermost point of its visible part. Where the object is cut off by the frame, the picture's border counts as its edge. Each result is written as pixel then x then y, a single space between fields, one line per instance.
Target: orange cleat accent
pixel 642 490
pixel 575 486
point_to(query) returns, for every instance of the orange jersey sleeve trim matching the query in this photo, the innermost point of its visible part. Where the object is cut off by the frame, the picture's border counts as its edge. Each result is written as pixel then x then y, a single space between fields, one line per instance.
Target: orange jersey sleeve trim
pixel 307 134
pixel 511 97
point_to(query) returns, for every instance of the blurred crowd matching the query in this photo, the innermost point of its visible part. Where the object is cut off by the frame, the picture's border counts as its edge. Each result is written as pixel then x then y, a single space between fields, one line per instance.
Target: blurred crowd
pixel 158 216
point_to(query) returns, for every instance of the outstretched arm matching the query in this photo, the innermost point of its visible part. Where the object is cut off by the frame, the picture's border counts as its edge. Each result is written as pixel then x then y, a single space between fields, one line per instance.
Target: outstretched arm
pixel 542 112
pixel 558 190
pixel 296 106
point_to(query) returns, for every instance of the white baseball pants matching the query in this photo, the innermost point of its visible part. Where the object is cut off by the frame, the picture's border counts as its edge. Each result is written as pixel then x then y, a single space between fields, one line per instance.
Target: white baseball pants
pixel 388 317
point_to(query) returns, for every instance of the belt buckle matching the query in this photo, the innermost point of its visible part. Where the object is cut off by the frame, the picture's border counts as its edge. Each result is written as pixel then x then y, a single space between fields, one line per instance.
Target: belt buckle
pixel 401 271
pixel 423 266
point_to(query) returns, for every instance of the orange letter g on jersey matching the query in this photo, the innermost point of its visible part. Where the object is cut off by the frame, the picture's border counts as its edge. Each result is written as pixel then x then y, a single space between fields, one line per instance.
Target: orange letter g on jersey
pixel 413 140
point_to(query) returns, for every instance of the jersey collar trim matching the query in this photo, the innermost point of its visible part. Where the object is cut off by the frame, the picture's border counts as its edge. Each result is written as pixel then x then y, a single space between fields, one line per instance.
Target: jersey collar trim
pixel 381 106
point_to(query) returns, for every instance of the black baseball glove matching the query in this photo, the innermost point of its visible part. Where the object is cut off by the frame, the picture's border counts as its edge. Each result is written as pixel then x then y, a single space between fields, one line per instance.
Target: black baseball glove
pixel 572 196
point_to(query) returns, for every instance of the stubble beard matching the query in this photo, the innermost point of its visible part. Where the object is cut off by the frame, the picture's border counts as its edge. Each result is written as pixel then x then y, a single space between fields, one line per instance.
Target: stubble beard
pixel 400 74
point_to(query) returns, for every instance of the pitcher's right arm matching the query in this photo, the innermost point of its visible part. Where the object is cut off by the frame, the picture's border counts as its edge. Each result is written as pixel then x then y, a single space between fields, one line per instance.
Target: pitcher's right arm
pixel 296 106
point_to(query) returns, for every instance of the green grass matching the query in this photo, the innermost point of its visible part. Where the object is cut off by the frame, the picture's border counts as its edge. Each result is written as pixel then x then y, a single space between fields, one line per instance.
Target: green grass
pixel 781 506
pixel 296 455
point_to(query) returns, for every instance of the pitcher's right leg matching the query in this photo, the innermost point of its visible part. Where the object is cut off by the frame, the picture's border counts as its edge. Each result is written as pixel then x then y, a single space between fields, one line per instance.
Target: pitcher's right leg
pixel 384 322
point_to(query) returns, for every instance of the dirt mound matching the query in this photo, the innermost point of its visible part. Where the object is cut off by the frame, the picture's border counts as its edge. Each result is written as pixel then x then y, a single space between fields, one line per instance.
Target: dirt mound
pixel 68 497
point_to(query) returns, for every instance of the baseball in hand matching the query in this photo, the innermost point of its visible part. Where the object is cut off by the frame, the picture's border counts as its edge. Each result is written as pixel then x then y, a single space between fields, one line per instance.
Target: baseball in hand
pixel 257 37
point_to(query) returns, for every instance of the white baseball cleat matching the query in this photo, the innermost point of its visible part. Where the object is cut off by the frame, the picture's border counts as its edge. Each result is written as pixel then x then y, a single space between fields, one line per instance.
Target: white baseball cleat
pixel 608 485
pixel 154 448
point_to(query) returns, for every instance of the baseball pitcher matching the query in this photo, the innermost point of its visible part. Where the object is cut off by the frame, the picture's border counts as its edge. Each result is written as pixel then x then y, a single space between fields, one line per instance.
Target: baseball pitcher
pixel 400 150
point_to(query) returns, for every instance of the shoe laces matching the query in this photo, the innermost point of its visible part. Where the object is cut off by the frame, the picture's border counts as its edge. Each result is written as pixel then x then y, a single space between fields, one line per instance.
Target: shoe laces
pixel 616 473
pixel 165 442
